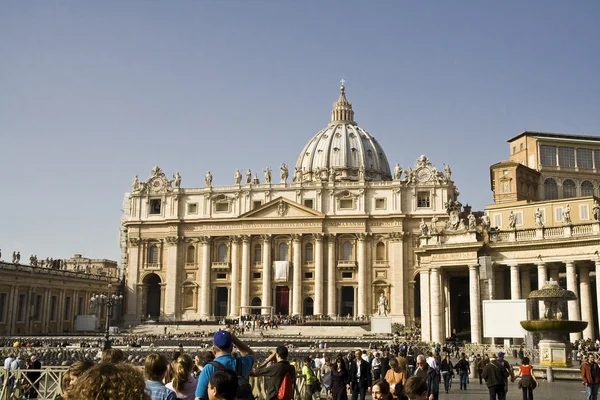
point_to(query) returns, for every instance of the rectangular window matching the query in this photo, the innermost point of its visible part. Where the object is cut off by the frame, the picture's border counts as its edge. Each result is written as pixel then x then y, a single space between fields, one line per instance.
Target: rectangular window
pixel 558 214
pixel 498 220
pixel 21 309
pixel 193 208
pixel 67 308
pixel 38 307
pixel 2 305
pixel 221 276
pixel 566 157
pixel 53 308
pixel 380 204
pixel 346 275
pixel 346 204
pixel 155 206
pixel 308 203
pixel 222 207
pixel 308 275
pixel 256 275
pixel 80 306
pixel 548 155
pixel 256 204
pixel 597 159
pixel 423 200
pixel 584 212
pixel 584 158
pixel 519 218
pixel 521 146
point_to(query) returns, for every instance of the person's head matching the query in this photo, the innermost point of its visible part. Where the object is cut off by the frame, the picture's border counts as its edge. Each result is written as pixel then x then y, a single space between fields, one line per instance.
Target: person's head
pixel 339 363
pixel 222 385
pixel 525 361
pixel 590 358
pixel 463 355
pixel 182 368
pixel 33 358
pixel 416 388
pixel 394 364
pixel 176 355
pixel 307 361
pixel 500 355
pixel 421 361
pixel 155 367
pixel 74 372
pixel 281 353
pixel 113 356
pixel 379 389
pixel 222 342
pixel 358 354
pixel 107 381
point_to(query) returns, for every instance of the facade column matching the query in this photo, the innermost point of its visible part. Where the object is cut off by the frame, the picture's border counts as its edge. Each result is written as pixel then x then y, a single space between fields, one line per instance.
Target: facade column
pixel 446 304
pixel 475 303
pixel 204 298
pixel 515 283
pixel 331 269
pixel 585 296
pixel 597 266
pixel 318 309
pixel 399 295
pixel 132 295
pixel 172 278
pixel 266 283
pixel 235 279
pixel 425 321
pixel 297 284
pixel 362 272
pixel 542 277
pixel 525 283
pixel 573 306
pixel 436 317
pixel 10 314
pixel 245 289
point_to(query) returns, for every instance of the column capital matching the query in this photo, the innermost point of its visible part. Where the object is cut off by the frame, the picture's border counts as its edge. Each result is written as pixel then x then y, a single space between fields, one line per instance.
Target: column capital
pixel 235 239
pixel 318 236
pixel 173 240
pixel 296 237
pixel 362 236
pixel 474 266
pixel 395 236
pixel 204 239
pixel 245 238
pixel 134 242
pixel 541 265
pixel 266 237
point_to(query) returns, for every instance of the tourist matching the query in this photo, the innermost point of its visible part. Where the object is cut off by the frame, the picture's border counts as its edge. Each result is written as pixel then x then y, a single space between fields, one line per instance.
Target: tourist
pixel 590 374
pixel 222 385
pixel 275 367
pixel 463 369
pixel 73 373
pixel 385 363
pixel 430 375
pixel 155 369
pixel 495 376
pixel 107 381
pixel 359 376
pixel 381 390
pixel 33 377
pixel 416 388
pixel 339 380
pixel 396 377
pixel 528 380
pixel 171 367
pixel 223 342
pixel 447 370
pixel 113 356
pixel 326 376
pixel 183 383
pixel 511 374
pixel 376 366
pixel 311 381
pixel 481 363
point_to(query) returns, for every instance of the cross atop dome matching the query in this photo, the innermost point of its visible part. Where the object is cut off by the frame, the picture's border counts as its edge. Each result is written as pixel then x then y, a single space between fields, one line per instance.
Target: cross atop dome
pixel 342 109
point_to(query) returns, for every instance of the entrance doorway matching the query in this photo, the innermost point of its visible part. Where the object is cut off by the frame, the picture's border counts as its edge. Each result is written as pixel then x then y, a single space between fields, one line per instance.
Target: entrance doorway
pixel 221 302
pixel 460 313
pixel 153 296
pixel 282 300
pixel 256 303
pixel 347 306
pixel 308 306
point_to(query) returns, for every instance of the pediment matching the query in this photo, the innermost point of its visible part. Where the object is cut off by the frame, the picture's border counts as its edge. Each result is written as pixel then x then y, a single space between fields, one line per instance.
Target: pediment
pixel 283 208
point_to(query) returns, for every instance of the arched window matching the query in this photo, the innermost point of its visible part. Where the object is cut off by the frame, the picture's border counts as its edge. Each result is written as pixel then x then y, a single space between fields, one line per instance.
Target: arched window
pixel 587 188
pixel 257 253
pixel 222 256
pixel 153 254
pixel 550 189
pixel 347 251
pixel 308 253
pixel 380 252
pixel 569 189
pixel 190 256
pixel 283 252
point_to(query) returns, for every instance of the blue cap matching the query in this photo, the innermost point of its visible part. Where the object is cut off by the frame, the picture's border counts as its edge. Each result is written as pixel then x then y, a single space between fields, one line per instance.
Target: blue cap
pixel 500 354
pixel 222 339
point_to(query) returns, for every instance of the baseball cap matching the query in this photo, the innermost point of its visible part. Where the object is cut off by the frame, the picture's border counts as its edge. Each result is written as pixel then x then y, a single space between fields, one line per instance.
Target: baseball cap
pixel 222 339
pixel 500 354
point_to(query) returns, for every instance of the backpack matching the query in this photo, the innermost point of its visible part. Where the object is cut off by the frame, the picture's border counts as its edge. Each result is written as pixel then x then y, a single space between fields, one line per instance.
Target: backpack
pixel 286 388
pixel 244 389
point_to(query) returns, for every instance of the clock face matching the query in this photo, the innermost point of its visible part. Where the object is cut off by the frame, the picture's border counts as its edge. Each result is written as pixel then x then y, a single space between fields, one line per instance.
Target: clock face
pixel 423 174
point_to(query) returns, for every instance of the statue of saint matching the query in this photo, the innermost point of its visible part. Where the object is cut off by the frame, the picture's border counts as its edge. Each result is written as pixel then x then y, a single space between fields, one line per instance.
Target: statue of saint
pixel 14 257
pixel 596 210
pixel 283 171
pixel 208 179
pixel 177 179
pixel 397 172
pixel 249 176
pixel 297 175
pixel 472 221
pixel 18 257
pixel 512 220
pixel 447 171
pixel 537 217
pixel 267 175
pixel 135 184
pixel 485 221
pixel 331 174
pixel 567 215
pixel 424 228
pixel 382 305
pixel 237 177
pixel 361 173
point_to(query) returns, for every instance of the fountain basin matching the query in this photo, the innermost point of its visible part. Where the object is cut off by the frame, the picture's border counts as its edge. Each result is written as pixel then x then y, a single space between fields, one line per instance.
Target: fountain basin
pixel 554 326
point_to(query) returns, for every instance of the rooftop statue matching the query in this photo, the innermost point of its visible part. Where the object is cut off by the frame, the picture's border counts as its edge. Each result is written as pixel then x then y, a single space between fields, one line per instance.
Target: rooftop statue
pixel 237 177
pixel 267 175
pixel 177 179
pixel 208 179
pixel 283 172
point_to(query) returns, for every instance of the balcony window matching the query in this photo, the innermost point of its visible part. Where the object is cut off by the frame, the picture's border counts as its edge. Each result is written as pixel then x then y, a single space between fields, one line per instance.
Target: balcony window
pixel 153 254
pixel 347 251
pixel 566 157
pixel 584 158
pixel 548 155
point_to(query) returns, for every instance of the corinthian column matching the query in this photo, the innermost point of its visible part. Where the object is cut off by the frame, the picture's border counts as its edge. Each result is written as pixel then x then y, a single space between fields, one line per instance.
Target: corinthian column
pixel 362 272
pixel 204 298
pixel 318 310
pixel 475 303
pixel 436 317
pixel 266 284
pixel 425 320
pixel 133 314
pixel 573 306
pixel 235 279
pixel 597 266
pixel 245 289
pixel 297 285
pixel 585 295
pixel 172 277
pixel 331 268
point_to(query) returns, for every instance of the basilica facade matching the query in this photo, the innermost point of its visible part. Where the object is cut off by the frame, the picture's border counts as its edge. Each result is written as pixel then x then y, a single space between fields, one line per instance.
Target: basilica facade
pixel 325 237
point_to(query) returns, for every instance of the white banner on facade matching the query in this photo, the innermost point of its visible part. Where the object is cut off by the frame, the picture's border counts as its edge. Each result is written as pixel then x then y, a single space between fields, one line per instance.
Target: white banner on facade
pixel 281 270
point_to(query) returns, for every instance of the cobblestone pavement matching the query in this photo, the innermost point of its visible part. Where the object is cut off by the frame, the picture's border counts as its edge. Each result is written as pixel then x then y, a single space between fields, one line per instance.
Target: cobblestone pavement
pixel 546 390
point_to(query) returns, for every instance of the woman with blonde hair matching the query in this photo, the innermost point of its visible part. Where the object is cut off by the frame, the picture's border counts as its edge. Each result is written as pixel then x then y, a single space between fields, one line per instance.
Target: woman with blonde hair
pixel 107 381
pixel 183 383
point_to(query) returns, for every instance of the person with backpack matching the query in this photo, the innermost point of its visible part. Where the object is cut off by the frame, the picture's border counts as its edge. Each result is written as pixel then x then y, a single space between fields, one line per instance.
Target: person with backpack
pixel 222 348
pixel 463 369
pixel 281 375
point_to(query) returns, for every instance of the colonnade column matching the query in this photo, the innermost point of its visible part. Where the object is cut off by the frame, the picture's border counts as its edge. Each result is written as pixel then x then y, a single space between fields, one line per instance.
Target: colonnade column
pixel 425 321
pixel 266 283
pixel 297 285
pixel 235 280
pixel 436 306
pixel 172 277
pixel 475 303
pixel 362 272
pixel 331 268
pixel 542 276
pixel 573 306
pixel 515 283
pixel 245 289
pixel 318 308
pixel 585 295
pixel 597 266
pixel 204 298
pixel 133 314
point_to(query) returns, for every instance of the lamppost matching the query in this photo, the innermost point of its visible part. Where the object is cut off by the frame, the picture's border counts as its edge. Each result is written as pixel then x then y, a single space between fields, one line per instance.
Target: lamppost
pixel 109 301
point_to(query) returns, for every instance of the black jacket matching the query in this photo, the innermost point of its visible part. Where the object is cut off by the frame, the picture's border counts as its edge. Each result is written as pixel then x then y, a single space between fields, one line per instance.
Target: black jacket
pixel 275 373
pixel 365 375
pixel 494 374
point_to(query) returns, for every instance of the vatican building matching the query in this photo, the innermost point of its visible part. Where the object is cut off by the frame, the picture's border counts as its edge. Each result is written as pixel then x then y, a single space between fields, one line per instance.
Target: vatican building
pixel 326 237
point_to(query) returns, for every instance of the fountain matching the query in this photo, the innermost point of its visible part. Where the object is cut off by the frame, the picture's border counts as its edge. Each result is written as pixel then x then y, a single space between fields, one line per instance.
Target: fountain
pixel 555 346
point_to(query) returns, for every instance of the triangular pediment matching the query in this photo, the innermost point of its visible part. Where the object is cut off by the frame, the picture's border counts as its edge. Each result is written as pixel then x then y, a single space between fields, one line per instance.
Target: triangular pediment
pixel 283 208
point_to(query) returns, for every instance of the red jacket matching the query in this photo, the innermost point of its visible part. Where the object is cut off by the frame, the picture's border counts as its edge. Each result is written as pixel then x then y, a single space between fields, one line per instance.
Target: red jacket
pixel 586 372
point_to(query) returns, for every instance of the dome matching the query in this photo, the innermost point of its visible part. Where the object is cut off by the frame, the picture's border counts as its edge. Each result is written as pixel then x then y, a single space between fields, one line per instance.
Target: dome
pixel 343 151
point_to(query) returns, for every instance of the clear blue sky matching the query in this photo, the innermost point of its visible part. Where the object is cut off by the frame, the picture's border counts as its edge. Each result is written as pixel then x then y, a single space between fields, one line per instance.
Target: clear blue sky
pixel 93 93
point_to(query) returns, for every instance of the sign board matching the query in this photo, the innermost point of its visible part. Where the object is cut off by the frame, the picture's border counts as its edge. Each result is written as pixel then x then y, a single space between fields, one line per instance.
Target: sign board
pixel 86 323
pixel 502 318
